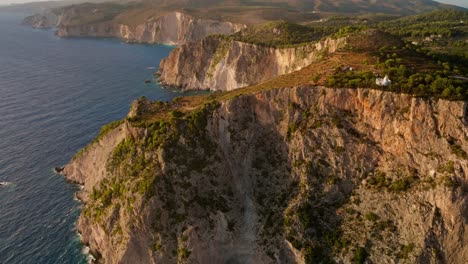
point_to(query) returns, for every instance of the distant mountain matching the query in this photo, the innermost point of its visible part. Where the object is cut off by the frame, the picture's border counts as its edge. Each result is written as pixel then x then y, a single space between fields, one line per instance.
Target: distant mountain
pixel 402 7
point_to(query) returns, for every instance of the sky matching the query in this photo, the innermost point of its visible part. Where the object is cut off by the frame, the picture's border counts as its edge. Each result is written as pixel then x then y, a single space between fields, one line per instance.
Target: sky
pixel 463 3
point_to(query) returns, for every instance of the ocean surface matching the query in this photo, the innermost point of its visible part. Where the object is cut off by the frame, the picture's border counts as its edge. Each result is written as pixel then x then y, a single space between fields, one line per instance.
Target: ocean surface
pixel 55 94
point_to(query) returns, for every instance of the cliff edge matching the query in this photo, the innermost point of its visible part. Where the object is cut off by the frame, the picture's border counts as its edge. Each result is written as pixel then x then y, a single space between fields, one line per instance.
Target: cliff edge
pixel 41 20
pixel 221 63
pixel 290 175
pixel 172 28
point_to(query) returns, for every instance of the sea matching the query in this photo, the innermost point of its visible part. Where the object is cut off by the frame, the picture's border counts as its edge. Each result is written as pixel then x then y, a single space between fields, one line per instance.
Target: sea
pixel 55 95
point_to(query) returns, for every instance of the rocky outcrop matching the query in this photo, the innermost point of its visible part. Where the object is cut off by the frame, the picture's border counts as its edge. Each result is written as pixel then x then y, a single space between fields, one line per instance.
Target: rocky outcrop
pixel 43 20
pixel 291 175
pixel 88 170
pixel 174 28
pixel 219 63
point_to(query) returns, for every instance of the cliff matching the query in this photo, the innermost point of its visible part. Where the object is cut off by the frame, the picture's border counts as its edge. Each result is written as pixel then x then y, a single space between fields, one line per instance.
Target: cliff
pixel 41 20
pixel 291 175
pixel 173 28
pixel 220 63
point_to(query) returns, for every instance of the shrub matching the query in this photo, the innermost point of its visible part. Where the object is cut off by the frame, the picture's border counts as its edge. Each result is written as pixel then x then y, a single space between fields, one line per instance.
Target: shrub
pixel 176 114
pixel 400 185
pixel 315 254
pixel 359 256
pixel 372 217
pixel 405 250
pixel 457 149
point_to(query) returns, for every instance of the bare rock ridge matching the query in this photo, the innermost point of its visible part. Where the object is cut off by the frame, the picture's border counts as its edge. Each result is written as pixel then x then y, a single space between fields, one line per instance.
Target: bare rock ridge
pixel 291 175
pixel 220 63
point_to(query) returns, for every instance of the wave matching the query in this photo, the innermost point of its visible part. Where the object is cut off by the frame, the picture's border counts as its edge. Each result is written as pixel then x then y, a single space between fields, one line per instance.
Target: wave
pixel 89 257
pixel 4 183
pixel 86 251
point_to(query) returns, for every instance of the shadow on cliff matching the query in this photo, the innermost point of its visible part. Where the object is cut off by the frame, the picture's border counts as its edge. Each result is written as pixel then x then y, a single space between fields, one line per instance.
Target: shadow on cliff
pixel 275 206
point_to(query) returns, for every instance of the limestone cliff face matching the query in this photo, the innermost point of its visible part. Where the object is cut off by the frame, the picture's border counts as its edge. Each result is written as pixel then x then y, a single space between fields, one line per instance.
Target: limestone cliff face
pixel 172 29
pixel 42 20
pixel 218 63
pixel 88 170
pixel 283 176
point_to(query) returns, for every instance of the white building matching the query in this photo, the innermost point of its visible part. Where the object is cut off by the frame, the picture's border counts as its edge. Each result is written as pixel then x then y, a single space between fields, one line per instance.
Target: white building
pixel 383 81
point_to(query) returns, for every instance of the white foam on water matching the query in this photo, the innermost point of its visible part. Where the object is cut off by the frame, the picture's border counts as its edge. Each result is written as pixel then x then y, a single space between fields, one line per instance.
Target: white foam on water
pixel 87 251
pixel 89 257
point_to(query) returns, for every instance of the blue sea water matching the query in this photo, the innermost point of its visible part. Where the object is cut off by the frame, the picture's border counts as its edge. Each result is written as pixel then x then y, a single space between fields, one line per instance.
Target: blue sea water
pixel 55 94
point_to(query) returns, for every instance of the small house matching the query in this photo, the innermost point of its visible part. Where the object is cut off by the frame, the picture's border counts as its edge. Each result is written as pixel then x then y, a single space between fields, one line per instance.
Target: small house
pixel 383 81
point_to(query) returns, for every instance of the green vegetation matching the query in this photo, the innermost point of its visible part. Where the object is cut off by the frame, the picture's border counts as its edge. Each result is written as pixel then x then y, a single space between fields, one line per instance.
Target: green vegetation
pixel 434 81
pixel 457 149
pixel 316 254
pixel 359 256
pixel 373 217
pixel 441 36
pixel 221 51
pixel 380 181
pixel 176 114
pixel 432 67
pixel 311 225
pixel 134 171
pixel 447 23
pixel 107 128
pixel 449 182
pixel 405 251
pixel 183 253
pixel 281 34
pixel 157 246
pixel 348 30
pixel 104 130
pixel 351 79
pixel 399 64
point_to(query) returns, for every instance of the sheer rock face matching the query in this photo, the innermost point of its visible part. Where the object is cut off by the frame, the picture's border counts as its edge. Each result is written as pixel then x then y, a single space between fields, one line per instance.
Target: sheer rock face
pixel 172 29
pixel 286 176
pixel 88 168
pixel 217 63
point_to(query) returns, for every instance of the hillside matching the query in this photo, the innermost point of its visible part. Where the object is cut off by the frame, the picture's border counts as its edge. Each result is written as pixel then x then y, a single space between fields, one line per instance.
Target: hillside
pixel 440 33
pixel 261 52
pixel 279 33
pixel 400 7
pixel 237 11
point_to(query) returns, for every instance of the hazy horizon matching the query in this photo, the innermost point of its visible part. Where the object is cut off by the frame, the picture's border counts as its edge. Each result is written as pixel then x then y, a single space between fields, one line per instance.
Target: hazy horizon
pixel 462 3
